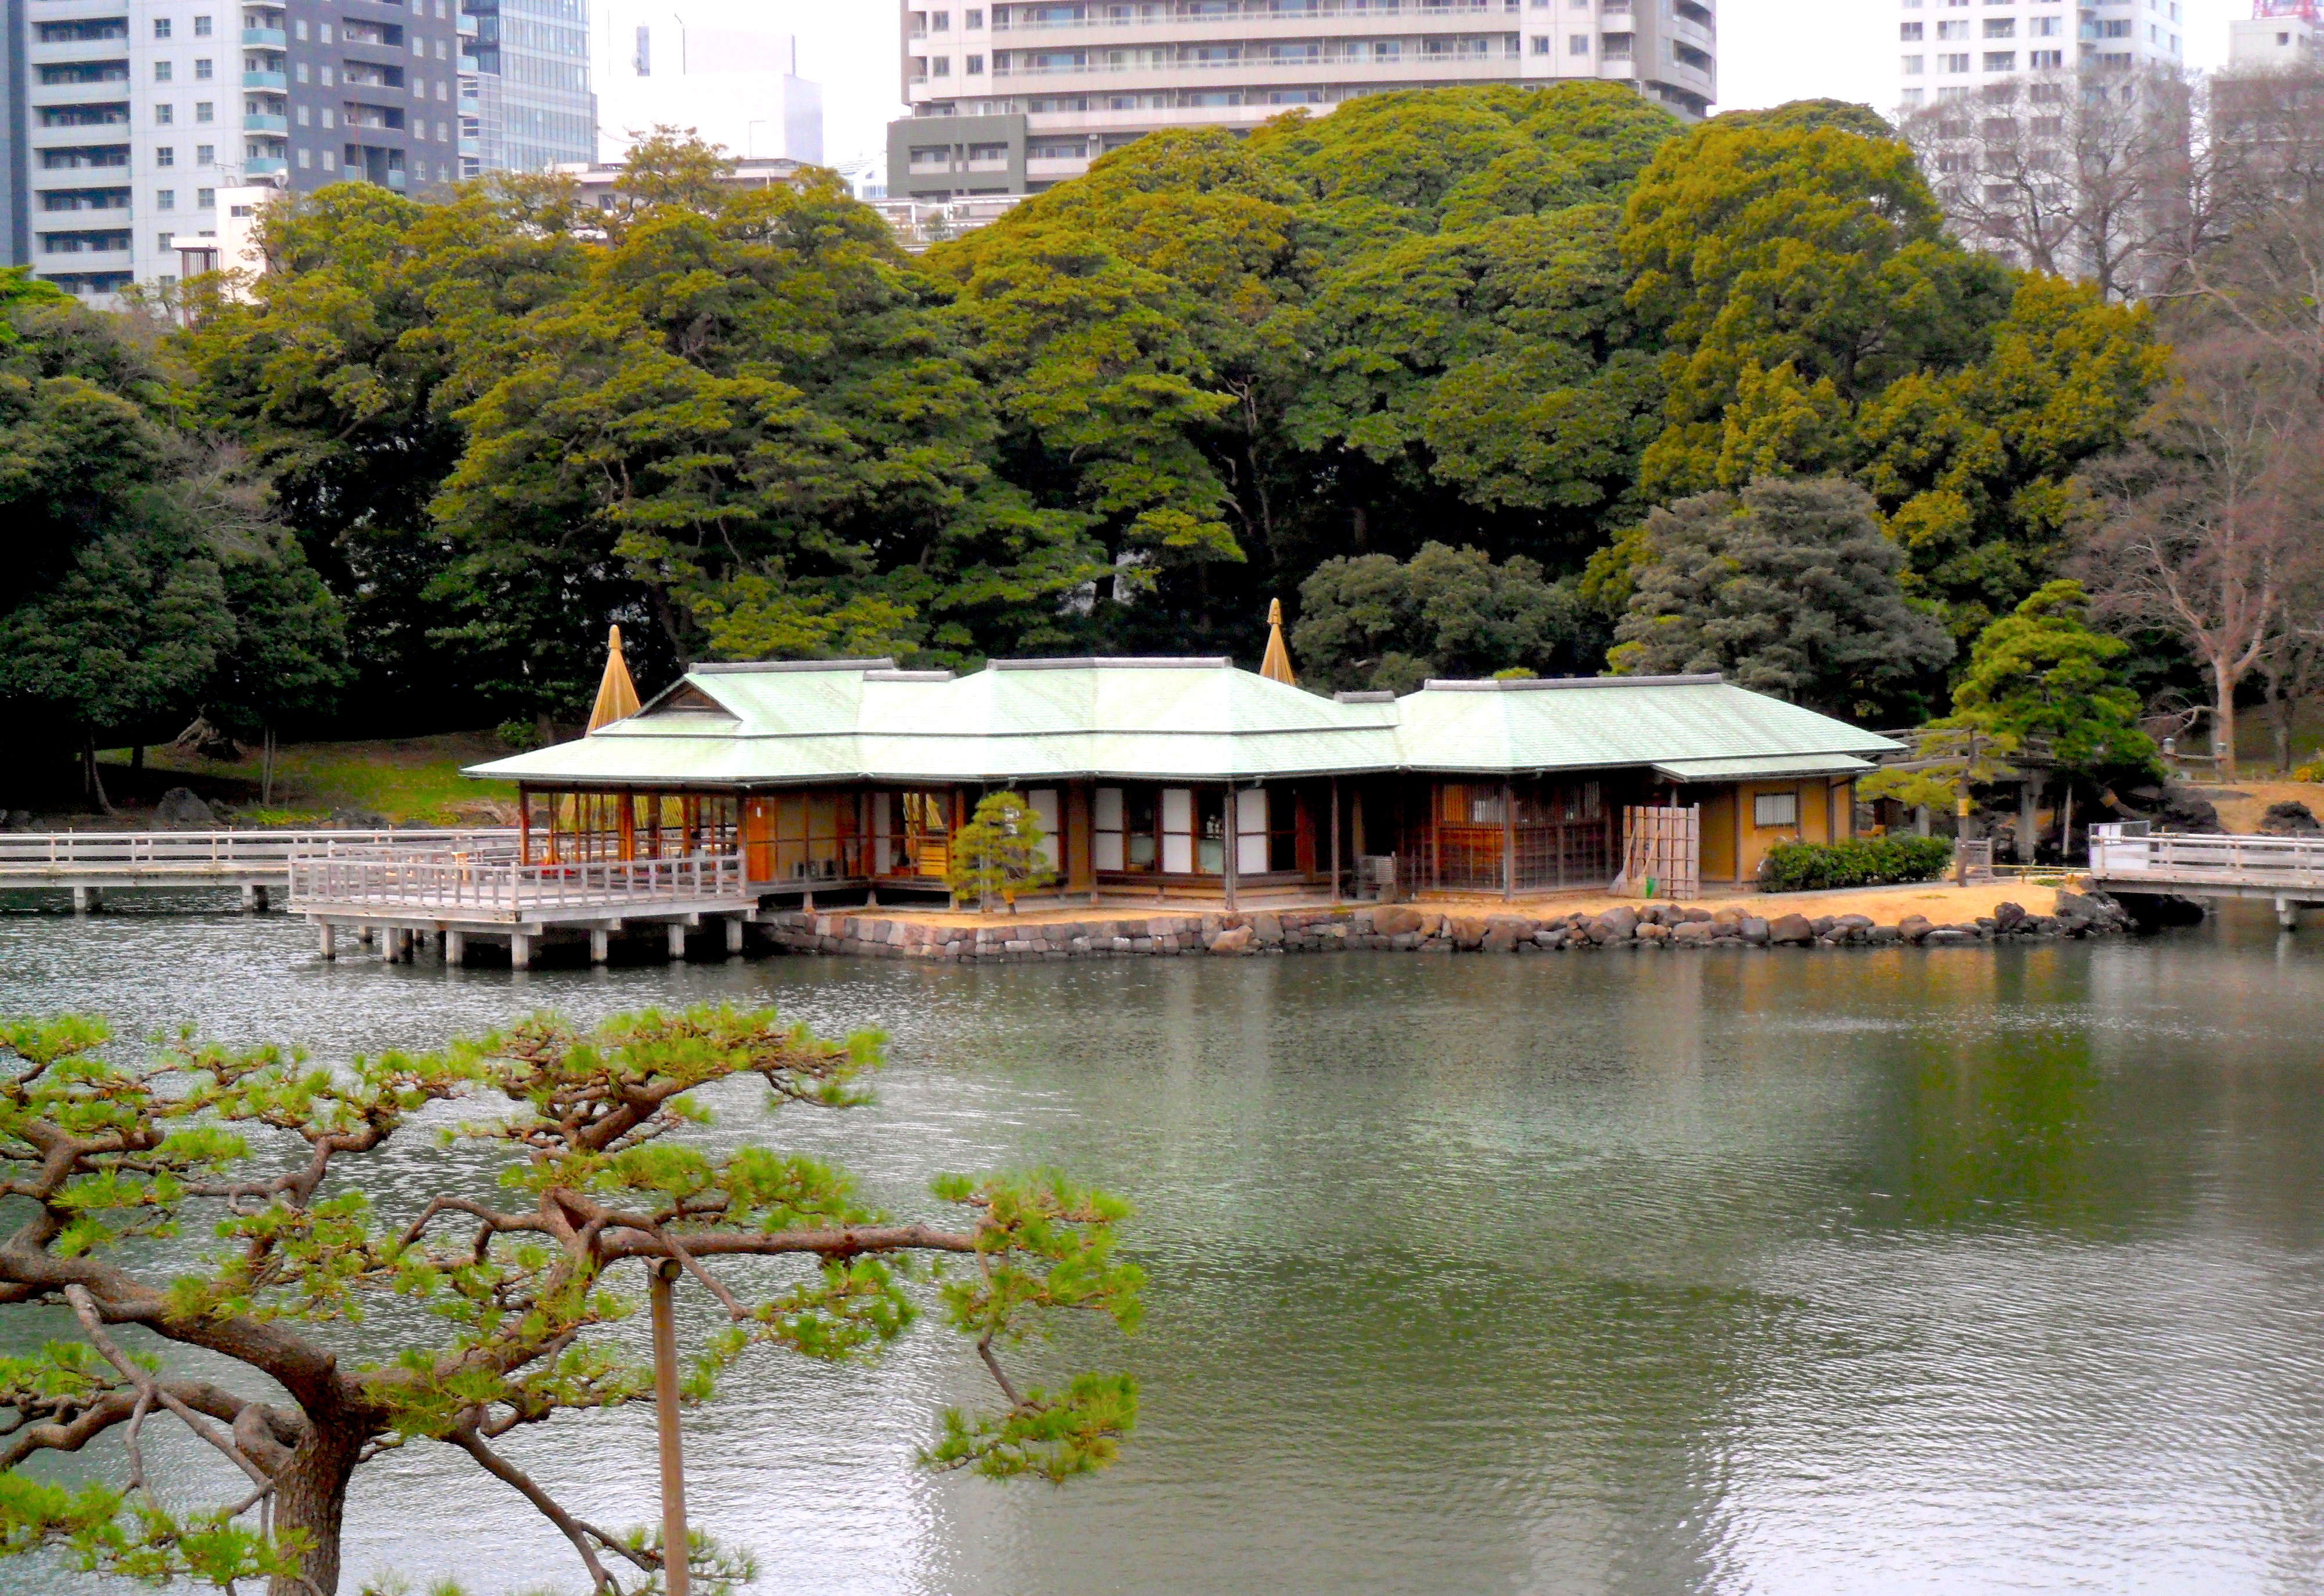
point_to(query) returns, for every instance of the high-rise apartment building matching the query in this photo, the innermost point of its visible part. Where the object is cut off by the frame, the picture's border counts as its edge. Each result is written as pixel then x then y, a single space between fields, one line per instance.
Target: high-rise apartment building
pixel 130 116
pixel 1949 49
pixel 525 104
pixel 1017 96
pixel 714 66
pixel 2279 33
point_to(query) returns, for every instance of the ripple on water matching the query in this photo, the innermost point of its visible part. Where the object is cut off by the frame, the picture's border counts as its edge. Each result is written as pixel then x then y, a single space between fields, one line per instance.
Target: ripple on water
pixel 1977 1272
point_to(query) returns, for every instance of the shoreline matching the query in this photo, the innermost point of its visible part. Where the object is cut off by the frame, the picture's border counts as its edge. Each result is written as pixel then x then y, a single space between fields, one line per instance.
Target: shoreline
pixel 1414 928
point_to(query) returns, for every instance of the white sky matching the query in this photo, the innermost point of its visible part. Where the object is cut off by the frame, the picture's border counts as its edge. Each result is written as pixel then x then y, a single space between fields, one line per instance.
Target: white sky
pixel 1770 51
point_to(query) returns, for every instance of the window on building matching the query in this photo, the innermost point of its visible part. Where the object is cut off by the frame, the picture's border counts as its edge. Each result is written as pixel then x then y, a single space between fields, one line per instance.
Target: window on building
pixel 298 72
pixel 641 62
pixel 306 158
pixel 161 71
pixel 205 199
pixel 205 68
pixel 971 20
pixel 204 154
pixel 2001 61
pixel 973 66
pixel 164 114
pixel 160 27
pixel 2001 27
pixel 1577 44
pixel 300 115
pixel 1958 30
pixel 164 241
pixel 1915 65
pixel 299 29
pixel 940 67
pixel 165 200
pixel 1911 32
pixel 1953 63
pixel 205 110
pixel 202 28
pixel 1776 808
pixel 330 160
pixel 164 155
pixel 940 21
pixel 323 33
pixel 1540 44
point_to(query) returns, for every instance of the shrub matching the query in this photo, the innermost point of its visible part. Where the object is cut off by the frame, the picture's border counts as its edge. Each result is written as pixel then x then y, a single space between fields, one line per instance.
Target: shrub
pixel 1867 861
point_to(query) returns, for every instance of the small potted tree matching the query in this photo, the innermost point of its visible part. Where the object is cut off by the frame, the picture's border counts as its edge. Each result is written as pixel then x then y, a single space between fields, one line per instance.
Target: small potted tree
pixel 998 852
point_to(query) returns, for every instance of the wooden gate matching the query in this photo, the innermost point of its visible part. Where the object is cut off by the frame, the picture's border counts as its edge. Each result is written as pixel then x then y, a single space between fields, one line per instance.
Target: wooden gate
pixel 1662 853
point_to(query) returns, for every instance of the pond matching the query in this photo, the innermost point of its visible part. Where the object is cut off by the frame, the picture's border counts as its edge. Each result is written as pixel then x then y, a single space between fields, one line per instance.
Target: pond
pixel 1970 1269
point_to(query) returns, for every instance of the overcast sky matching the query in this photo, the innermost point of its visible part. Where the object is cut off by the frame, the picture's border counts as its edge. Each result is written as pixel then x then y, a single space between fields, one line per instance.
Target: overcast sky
pixel 1770 51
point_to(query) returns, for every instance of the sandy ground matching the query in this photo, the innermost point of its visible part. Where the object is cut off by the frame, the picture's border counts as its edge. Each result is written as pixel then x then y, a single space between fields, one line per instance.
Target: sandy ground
pixel 2241 812
pixel 1942 903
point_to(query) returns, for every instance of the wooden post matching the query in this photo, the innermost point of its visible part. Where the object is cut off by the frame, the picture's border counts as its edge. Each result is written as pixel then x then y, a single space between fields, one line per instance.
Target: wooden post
pixel 601 946
pixel 677 941
pixel 519 951
pixel 1739 796
pixel 456 947
pixel 1509 840
pixel 1335 839
pixel 327 940
pixel 1232 828
pixel 734 936
pixel 676 1577
pixel 524 826
pixel 85 899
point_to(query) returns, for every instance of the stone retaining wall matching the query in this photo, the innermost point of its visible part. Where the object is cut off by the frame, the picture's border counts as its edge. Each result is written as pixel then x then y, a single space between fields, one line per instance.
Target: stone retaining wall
pixel 1407 929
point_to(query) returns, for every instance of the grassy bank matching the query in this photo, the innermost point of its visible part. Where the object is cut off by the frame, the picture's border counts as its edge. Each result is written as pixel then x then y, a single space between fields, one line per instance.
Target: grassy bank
pixel 410 780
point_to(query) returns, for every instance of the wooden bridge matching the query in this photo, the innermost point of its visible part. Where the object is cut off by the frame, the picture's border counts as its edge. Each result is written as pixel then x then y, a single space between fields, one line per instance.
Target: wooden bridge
pixel 2288 871
pixel 90 864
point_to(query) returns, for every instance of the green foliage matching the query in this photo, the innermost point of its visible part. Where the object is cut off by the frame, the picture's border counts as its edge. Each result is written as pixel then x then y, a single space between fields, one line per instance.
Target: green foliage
pixel 1863 862
pixel 2040 674
pixel 507 1318
pixel 150 581
pixel 1370 622
pixel 998 854
pixel 1790 588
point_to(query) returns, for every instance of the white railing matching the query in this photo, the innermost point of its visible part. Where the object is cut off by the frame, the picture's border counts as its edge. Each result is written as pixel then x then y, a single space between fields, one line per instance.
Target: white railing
pixel 1176 23
pixel 2130 853
pixel 452 885
pixel 220 853
pixel 1262 64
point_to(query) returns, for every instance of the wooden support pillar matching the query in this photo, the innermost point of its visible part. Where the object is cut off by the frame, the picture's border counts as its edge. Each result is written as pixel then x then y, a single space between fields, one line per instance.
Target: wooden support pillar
pixel 2287 914
pixel 1509 840
pixel 1335 839
pixel 734 935
pixel 86 900
pixel 1232 828
pixel 601 946
pixel 676 1575
pixel 519 951
pixel 254 898
pixel 456 947
pixel 1741 796
pixel 677 941
pixel 327 940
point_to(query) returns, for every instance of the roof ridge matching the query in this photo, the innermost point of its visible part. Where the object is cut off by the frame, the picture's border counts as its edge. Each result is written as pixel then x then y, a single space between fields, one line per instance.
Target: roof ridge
pixel 1117 663
pixel 1540 684
pixel 750 667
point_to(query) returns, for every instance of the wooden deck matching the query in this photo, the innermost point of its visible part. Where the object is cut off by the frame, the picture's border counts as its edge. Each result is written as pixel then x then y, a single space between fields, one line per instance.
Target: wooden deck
pixel 89 862
pixel 2288 871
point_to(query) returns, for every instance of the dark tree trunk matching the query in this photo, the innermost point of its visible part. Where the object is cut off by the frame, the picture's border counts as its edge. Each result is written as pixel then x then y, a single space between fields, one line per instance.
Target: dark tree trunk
pixel 310 1495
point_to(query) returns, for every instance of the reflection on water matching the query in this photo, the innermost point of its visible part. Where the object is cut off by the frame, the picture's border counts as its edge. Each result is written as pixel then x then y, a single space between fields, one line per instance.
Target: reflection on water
pixel 1970 1271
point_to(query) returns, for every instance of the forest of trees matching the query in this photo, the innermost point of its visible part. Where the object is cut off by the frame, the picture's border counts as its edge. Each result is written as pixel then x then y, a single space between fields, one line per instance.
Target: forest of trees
pixel 1475 379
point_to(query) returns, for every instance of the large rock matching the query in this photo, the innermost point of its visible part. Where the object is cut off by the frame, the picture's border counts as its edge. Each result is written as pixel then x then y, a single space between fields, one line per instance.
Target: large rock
pixel 2290 819
pixel 1692 934
pixel 2188 811
pixel 1754 930
pixel 1914 927
pixel 181 807
pixel 1505 932
pixel 1791 930
pixel 1236 941
pixel 1619 924
pixel 1395 919
pixel 2007 917
pixel 1467 931
pixel 1267 928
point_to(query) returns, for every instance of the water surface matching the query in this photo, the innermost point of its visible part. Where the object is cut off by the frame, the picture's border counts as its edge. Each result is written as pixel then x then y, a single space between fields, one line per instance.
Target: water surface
pixel 1963 1270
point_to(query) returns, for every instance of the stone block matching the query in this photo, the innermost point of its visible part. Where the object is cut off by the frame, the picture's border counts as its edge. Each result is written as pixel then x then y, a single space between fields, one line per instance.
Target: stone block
pixel 1914 927
pixel 1654 934
pixel 1690 933
pixel 1395 919
pixel 1753 930
pixel 1266 929
pixel 2008 917
pixel 1791 930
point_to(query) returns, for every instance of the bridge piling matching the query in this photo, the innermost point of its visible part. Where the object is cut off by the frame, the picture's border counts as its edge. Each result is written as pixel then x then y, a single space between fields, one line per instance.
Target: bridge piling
pixel 677 942
pixel 326 938
pixel 519 951
pixel 601 945
pixel 456 947
pixel 86 900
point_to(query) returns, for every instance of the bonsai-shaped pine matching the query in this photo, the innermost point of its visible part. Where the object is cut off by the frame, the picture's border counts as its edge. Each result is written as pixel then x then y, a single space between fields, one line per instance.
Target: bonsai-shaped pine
pixel 581 1179
pixel 999 854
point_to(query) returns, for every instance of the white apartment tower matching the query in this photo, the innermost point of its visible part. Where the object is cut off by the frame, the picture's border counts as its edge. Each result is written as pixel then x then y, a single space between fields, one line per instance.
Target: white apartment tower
pixel 1013 97
pixel 1951 48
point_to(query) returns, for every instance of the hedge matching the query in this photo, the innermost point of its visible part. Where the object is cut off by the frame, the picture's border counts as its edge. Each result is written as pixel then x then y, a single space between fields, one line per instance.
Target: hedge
pixel 1868 861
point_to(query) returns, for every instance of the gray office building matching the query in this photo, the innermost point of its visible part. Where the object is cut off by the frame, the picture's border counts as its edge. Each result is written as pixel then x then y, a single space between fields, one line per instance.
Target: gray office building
pixel 525 100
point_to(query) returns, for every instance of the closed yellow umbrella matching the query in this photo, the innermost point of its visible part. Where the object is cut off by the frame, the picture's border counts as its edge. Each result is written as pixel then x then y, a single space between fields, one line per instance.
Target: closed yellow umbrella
pixel 617 695
pixel 1277 666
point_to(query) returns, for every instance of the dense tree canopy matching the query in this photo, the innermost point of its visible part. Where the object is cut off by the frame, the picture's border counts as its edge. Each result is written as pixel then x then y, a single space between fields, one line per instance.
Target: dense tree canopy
pixel 149 582
pixel 1790 588
pixel 1499 320
pixel 1371 622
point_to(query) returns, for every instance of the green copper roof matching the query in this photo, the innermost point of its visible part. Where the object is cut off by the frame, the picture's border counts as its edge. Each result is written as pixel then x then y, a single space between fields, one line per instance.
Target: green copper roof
pixel 1195 719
